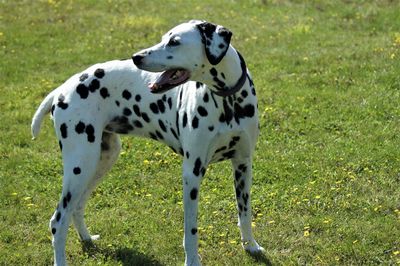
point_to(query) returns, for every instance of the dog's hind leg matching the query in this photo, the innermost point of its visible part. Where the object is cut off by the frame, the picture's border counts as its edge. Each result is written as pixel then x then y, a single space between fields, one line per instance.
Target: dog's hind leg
pixel 243 180
pixel 110 149
pixel 81 155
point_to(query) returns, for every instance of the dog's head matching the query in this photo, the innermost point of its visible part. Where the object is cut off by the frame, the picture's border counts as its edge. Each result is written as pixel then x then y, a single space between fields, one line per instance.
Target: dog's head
pixel 183 53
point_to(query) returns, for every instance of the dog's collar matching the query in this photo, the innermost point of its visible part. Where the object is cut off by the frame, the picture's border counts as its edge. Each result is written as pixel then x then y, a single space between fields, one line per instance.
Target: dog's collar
pixel 239 84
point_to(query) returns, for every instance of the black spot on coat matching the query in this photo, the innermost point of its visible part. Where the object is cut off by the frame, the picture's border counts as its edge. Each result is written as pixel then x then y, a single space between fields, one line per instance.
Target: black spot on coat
pixel 127 111
pixel 180 99
pixel 65 202
pixel 174 133
pixel 137 123
pixel 193 193
pixel 104 93
pixel 94 85
pixel 238 192
pixel 77 170
pixel 205 97
pixel 58 216
pixel 80 127
pixel 229 154
pixel 242 167
pixel 63 129
pixel 213 72
pixel 242 112
pixel 159 135
pixel 67 199
pixel 126 94
pixel 99 73
pixel 202 111
pixel 145 117
pixel 184 120
pixel 221 149
pixel 227 112
pixel 69 196
pixel 177 123
pixel 153 136
pixel 245 198
pixel 154 108
pixel 162 126
pixel 82 90
pixel 237 175
pixel 197 167
pixel 195 122
pixel 62 105
pixel 136 110
pixel 90 133
pixel 161 106
pixel 169 102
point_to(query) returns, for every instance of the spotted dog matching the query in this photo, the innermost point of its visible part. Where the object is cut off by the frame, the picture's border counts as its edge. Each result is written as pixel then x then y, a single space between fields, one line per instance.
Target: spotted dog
pixel 202 105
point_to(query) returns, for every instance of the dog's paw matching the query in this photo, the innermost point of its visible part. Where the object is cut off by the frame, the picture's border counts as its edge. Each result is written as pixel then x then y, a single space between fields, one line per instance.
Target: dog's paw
pixel 94 237
pixel 252 247
pixel 90 238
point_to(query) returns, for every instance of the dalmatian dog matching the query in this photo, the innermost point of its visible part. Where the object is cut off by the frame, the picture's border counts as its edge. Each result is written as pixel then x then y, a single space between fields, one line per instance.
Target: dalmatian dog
pixel 192 91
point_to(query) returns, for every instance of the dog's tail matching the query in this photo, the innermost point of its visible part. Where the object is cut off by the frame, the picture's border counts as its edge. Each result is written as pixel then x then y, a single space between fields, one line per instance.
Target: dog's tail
pixel 43 109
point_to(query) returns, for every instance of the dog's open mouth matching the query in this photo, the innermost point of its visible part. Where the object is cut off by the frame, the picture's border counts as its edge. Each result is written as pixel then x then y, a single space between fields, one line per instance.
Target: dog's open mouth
pixel 169 79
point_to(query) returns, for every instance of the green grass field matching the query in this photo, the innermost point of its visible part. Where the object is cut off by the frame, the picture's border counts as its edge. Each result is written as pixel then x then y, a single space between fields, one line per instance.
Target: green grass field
pixel 327 166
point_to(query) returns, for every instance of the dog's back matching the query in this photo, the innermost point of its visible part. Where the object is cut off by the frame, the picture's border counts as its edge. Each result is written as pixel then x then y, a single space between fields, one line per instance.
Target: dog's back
pixel 115 94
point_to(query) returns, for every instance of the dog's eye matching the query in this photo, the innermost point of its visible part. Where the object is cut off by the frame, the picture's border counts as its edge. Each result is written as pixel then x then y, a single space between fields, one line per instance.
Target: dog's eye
pixel 174 42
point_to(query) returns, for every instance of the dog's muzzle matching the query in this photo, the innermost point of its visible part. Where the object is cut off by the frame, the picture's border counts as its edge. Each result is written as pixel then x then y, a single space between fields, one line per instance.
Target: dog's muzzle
pixel 168 79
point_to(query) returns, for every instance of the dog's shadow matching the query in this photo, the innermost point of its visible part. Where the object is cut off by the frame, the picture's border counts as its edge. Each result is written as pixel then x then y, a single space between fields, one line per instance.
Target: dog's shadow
pixel 261 258
pixel 126 256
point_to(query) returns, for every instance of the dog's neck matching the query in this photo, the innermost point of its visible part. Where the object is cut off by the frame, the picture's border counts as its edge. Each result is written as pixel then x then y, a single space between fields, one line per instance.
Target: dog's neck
pixel 227 77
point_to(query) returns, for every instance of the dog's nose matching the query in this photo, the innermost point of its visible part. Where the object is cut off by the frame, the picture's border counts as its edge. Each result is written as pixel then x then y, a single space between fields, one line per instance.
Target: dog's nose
pixel 137 59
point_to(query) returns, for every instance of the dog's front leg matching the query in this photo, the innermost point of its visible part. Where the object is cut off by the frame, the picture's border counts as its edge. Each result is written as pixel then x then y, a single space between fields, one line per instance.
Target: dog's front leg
pixel 193 171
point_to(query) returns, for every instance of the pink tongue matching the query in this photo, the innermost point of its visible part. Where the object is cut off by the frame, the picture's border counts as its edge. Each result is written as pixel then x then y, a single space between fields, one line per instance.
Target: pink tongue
pixel 152 86
pixel 164 78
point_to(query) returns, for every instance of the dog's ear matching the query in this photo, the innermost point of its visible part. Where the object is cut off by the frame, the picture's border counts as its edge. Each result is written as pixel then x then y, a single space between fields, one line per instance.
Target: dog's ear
pixel 216 41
